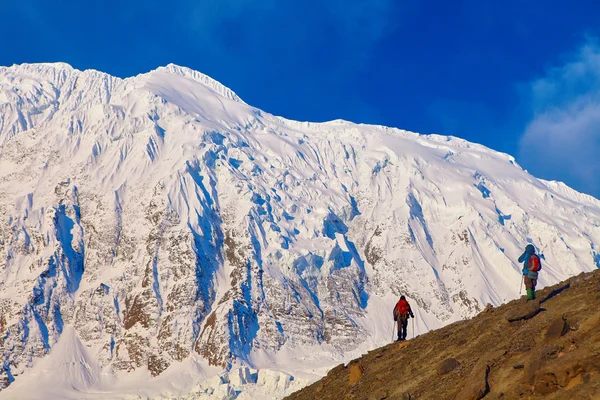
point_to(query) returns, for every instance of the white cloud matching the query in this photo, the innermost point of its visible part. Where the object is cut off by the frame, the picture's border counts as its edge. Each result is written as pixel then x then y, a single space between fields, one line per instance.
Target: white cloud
pixel 562 141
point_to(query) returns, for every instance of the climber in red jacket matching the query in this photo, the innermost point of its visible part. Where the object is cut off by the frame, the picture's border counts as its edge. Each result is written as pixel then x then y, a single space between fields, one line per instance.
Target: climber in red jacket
pixel 402 312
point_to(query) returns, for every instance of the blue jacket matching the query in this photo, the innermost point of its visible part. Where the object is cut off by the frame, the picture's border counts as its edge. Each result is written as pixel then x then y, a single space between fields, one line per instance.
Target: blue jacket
pixel 529 250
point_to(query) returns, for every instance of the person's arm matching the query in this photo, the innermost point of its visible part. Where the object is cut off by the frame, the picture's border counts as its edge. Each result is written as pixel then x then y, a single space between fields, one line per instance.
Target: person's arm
pixel 410 311
pixel 522 258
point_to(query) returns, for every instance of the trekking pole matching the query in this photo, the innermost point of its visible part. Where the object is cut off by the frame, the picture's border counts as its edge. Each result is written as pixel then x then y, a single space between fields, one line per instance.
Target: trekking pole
pixel 413 327
pixel 521 288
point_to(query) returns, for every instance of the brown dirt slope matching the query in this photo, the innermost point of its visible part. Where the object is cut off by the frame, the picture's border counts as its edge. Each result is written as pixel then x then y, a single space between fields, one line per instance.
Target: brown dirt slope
pixel 548 348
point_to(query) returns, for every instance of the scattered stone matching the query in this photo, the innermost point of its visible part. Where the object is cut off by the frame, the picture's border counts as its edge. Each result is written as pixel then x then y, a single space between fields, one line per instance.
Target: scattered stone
pixel 447 366
pixel 488 308
pixel 574 327
pixel 493 356
pixel 525 311
pixel 521 347
pixel 476 386
pixel 356 371
pixel 576 281
pixel 531 370
pixel 352 393
pixel 574 382
pixel 519 366
pixel 586 378
pixel 551 352
pixel 546 384
pixel 558 328
pixel 402 344
pixel 566 372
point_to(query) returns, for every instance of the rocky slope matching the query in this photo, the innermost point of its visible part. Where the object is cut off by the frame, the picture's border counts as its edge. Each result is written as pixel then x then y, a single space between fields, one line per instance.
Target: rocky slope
pixel 165 220
pixel 548 348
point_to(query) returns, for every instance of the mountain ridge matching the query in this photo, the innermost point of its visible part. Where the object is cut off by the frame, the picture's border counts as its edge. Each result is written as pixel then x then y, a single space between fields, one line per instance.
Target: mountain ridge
pixel 162 219
pixel 548 348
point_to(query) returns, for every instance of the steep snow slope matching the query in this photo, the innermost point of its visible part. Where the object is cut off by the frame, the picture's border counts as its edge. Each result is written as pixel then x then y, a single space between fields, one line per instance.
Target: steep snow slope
pixel 165 222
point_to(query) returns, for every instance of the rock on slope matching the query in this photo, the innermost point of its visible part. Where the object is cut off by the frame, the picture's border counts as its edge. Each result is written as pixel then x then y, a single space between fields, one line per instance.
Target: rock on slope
pixel 163 218
pixel 552 353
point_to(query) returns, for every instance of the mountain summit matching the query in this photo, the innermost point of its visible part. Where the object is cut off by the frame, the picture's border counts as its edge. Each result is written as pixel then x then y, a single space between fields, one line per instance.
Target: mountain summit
pixel 160 220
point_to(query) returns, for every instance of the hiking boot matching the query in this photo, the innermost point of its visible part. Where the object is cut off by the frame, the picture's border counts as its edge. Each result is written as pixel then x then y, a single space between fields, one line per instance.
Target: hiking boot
pixel 530 295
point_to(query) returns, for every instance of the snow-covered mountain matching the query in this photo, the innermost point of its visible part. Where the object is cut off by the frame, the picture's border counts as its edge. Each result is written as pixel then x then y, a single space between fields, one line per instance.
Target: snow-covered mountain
pixel 159 224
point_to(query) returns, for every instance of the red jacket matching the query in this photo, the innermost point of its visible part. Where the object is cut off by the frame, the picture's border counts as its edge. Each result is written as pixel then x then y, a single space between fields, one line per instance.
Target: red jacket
pixel 402 310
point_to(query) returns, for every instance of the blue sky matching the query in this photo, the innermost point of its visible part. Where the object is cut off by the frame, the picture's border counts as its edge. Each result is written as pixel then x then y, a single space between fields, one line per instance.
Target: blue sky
pixel 519 76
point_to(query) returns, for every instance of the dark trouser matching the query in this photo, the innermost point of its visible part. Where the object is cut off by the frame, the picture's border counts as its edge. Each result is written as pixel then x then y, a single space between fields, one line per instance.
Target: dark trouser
pixel 402 324
pixel 530 283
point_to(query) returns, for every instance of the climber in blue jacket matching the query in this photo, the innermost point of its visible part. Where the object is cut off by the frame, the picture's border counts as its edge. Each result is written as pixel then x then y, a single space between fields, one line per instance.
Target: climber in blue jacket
pixel 531 266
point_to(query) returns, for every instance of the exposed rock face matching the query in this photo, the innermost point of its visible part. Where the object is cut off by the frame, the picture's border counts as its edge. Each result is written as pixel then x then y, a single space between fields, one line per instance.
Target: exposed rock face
pixel 448 365
pixel 356 371
pixel 160 216
pixel 526 311
pixel 493 361
pixel 559 328
pixel 476 385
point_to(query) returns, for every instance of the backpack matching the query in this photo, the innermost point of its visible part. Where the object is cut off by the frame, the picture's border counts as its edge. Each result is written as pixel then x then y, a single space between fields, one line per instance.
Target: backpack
pixel 534 263
pixel 402 307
